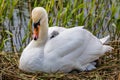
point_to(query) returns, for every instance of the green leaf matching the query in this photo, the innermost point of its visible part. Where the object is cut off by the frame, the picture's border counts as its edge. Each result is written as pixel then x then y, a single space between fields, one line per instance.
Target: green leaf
pixel 8 32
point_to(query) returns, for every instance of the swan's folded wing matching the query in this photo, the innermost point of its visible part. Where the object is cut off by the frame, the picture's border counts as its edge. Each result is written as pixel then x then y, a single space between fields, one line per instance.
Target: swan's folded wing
pixel 65 43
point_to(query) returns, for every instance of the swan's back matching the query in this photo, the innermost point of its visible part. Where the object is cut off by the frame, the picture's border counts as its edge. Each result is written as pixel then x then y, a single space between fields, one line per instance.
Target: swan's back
pixel 75 46
pixel 74 37
pixel 68 39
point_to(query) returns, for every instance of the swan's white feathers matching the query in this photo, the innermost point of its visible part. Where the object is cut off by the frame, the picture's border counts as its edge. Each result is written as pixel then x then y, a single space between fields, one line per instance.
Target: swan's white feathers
pixel 103 40
pixel 38 13
pixel 73 48
pixel 66 44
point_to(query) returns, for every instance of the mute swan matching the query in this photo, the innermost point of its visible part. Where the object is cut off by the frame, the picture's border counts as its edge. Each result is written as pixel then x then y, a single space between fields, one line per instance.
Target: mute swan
pixel 74 48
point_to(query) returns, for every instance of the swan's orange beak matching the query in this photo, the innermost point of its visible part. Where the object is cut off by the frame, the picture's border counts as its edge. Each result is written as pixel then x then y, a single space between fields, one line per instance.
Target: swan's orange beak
pixel 36 32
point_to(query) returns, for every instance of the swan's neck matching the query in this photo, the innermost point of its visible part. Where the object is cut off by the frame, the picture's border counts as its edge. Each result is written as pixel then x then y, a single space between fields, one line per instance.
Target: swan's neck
pixel 34 52
pixel 43 36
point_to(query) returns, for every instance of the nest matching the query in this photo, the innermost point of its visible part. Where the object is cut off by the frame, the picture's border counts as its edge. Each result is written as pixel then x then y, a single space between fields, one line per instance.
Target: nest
pixel 108 68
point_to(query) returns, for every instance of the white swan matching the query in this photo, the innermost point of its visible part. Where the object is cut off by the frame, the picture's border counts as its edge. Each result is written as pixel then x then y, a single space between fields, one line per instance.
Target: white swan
pixel 73 48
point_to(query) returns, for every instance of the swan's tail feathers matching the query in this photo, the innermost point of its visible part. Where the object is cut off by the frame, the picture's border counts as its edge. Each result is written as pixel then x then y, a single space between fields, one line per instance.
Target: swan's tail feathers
pixel 103 40
pixel 107 48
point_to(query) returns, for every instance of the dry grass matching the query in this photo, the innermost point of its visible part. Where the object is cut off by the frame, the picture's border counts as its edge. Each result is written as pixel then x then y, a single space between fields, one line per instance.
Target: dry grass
pixel 108 68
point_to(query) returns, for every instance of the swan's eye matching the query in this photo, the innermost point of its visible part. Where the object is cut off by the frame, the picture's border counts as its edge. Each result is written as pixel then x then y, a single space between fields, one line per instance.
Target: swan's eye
pixel 36 24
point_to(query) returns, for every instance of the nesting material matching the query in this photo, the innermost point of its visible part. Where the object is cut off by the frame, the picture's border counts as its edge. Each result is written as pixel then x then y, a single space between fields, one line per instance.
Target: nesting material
pixel 108 68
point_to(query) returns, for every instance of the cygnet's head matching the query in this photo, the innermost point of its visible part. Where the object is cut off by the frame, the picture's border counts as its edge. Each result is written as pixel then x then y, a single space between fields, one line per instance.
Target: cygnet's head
pixel 40 19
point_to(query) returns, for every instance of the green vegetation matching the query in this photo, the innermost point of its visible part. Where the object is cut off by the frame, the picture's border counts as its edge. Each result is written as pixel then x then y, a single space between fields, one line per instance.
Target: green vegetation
pixel 101 17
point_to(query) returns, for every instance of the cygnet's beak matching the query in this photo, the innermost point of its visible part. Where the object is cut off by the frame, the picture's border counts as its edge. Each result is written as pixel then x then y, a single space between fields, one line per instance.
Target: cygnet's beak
pixel 36 30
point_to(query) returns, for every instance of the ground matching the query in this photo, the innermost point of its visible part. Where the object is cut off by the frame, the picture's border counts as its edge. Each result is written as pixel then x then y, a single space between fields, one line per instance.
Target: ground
pixel 108 69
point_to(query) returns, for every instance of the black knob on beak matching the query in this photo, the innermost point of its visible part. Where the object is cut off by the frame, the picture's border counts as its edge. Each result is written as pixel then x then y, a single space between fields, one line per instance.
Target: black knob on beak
pixel 36 24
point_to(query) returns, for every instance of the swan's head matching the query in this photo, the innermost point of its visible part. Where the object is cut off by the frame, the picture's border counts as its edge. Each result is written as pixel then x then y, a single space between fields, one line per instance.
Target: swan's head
pixel 40 19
